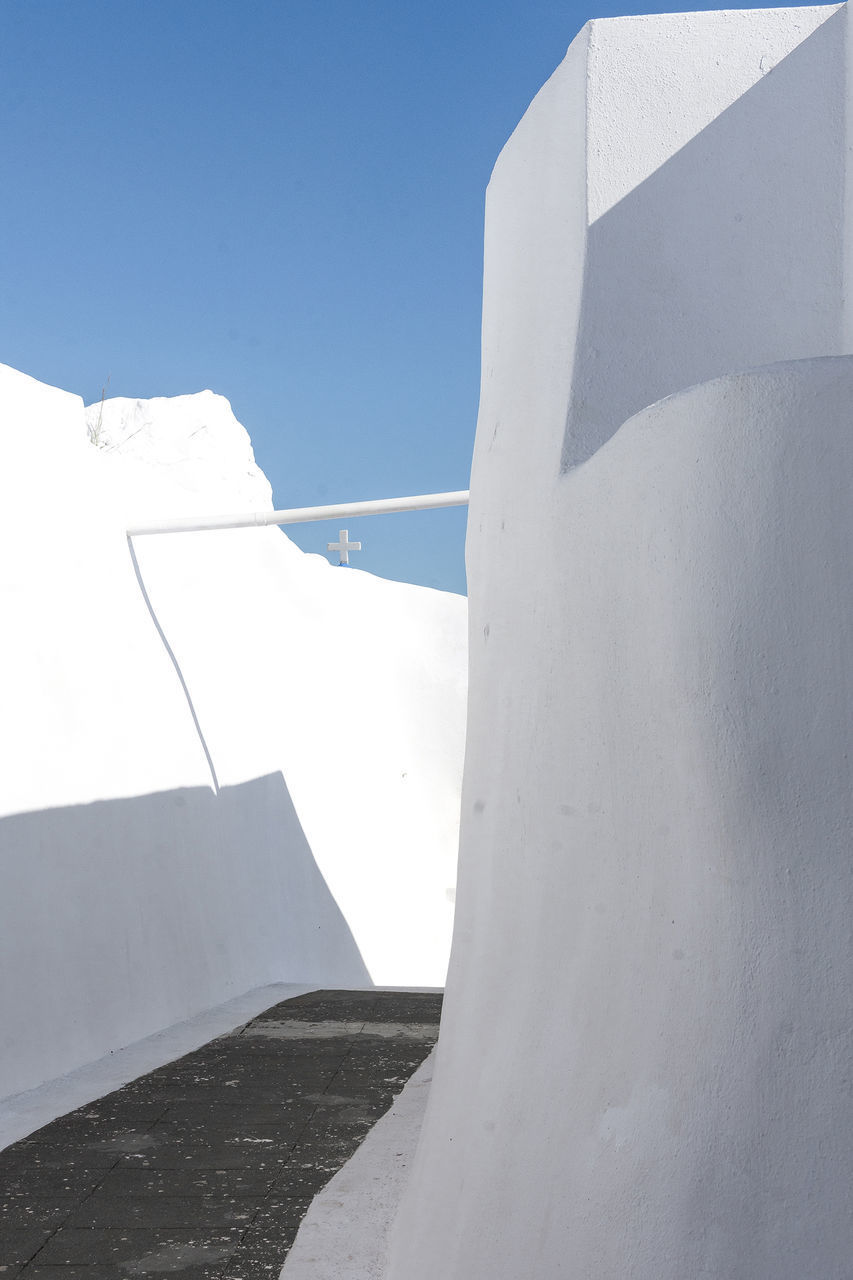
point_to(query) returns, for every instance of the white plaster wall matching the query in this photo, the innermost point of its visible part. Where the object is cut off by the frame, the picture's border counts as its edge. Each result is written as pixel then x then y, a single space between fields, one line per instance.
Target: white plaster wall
pixel 714 188
pixel 645 1053
pixel 223 765
pixel 646 1049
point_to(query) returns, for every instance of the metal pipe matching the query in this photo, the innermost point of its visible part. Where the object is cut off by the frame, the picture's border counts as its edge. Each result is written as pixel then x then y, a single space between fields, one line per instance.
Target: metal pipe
pixel 301 515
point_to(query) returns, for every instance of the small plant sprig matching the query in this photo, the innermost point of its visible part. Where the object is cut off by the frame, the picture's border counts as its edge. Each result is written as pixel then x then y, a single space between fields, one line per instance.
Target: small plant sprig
pixel 96 430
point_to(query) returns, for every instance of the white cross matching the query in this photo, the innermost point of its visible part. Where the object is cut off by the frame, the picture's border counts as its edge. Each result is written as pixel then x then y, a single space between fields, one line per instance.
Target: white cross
pixel 343 545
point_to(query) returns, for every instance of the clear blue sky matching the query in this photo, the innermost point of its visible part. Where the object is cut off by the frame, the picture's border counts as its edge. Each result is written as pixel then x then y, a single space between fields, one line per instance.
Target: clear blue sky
pixel 281 200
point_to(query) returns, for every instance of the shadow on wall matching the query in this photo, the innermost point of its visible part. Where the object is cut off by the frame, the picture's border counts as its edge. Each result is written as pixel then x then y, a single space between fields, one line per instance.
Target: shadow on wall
pixel 727 285
pixel 174 661
pixel 122 917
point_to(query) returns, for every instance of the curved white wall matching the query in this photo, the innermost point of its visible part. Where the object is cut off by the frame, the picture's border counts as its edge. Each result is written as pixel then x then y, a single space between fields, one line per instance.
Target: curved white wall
pixel 645 1053
pixel 645 1057
pixel 241 766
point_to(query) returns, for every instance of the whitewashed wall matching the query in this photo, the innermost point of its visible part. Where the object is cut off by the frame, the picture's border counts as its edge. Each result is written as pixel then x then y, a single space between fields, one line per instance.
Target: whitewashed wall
pixel 646 1046
pixel 224 765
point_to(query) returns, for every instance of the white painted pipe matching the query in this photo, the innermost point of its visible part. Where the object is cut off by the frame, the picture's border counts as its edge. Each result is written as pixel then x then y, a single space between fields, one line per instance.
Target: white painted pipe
pixel 301 515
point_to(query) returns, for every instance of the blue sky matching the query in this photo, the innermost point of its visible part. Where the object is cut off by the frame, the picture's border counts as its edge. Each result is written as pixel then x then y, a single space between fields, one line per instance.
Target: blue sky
pixel 281 200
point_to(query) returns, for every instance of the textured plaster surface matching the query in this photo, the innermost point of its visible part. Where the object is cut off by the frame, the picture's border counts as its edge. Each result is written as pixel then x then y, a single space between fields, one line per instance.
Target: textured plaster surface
pixel 671 208
pixel 646 1051
pixel 646 1046
pixel 224 763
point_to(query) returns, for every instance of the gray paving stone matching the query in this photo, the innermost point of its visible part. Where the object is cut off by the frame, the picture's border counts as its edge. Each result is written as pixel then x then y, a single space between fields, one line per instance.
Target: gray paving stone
pixel 226 1125
pixel 316 1159
pixel 262 1264
pixel 296 1180
pixel 18 1246
pixel 89 1272
pixel 249 1089
pixel 335 1130
pixel 220 1155
pixel 275 1217
pixel 257 1052
pixel 98 1122
pixel 267 1242
pixel 149 1248
pixel 111 1272
pixel 190 1213
pixel 47 1154
pixel 294 1111
pixel 25 1213
pixel 190 1183
pixel 333 1007
pixel 21 1178
pixel 330 1150
pixel 346 1110
pixel 204 1168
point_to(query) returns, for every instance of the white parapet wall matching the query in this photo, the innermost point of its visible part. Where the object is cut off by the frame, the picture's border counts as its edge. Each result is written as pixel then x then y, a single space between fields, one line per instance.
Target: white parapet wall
pixel 646 1050
pixel 223 763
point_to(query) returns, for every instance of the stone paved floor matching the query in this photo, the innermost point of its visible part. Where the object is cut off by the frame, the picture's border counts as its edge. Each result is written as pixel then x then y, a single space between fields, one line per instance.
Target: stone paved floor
pixel 203 1169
